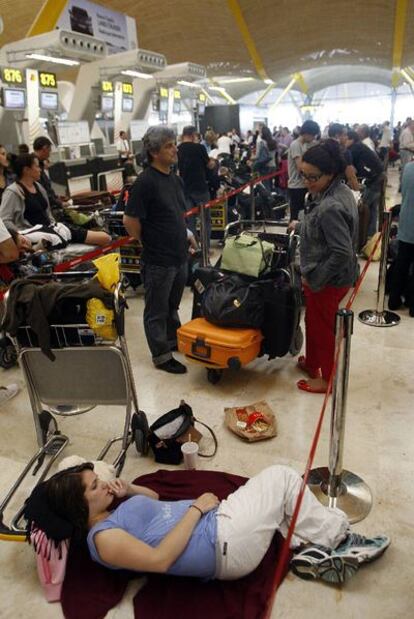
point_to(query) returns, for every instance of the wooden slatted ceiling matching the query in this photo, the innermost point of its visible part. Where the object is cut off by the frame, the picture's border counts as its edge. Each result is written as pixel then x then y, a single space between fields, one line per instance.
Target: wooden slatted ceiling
pixel 290 35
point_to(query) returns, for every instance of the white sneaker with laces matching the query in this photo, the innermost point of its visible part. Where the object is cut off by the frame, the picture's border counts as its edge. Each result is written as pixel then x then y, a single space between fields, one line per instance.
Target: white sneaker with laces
pixel 7 393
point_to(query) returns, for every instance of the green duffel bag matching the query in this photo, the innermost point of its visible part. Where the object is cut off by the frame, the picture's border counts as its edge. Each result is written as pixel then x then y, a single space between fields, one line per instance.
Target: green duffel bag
pixel 247 254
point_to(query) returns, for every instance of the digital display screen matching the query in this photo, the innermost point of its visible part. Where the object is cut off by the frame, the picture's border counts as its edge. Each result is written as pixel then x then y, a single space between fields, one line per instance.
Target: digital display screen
pixel 177 106
pixel 12 76
pixel 127 104
pixel 107 86
pixel 127 88
pixel 155 100
pixel 107 103
pixel 163 105
pixel 201 109
pixel 14 99
pixel 47 80
pixel 49 101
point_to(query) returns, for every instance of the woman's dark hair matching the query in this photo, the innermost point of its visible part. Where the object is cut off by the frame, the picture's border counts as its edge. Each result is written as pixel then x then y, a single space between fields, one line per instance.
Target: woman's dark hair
pixel 23 161
pixel 267 136
pixel 353 135
pixel 65 493
pixel 327 157
pixel 23 149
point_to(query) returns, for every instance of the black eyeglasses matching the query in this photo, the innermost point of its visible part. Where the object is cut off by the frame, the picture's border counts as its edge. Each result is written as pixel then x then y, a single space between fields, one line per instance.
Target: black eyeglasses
pixel 311 178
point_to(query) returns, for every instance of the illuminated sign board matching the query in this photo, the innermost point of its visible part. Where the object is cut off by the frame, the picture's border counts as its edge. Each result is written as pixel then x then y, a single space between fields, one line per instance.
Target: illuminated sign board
pixel 127 88
pixel 12 76
pixel 202 97
pixel 107 86
pixel 164 93
pixel 177 102
pixel 47 80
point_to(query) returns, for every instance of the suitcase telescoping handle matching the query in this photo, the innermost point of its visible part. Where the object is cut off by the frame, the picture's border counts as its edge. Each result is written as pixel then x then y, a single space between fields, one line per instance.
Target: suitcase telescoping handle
pixel 200 349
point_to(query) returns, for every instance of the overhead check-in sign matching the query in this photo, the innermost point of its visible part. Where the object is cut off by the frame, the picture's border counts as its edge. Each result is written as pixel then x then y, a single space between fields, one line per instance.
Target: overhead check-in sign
pixel 177 94
pixel 107 87
pixel 164 92
pixel 12 76
pixel 47 80
pixel 118 30
pixel 127 88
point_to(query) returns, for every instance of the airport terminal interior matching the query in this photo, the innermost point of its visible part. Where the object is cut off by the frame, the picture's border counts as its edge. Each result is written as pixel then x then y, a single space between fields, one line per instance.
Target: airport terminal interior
pixel 206 210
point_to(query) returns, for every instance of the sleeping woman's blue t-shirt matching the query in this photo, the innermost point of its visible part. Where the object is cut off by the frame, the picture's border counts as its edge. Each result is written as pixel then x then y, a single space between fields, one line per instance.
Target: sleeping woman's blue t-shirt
pixel 150 520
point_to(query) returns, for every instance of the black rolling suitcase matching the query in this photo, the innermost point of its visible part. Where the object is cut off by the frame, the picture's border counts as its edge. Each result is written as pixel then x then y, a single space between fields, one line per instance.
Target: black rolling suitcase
pixel 281 325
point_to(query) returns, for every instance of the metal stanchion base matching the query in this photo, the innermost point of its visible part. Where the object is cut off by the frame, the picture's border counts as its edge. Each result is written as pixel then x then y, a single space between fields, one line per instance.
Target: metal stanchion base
pixel 354 496
pixel 379 319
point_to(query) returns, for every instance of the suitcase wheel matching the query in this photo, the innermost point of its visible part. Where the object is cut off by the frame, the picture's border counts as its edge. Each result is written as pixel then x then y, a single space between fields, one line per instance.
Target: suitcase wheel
pixel 8 353
pixel 140 431
pixel 213 376
pixel 297 343
pixel 234 363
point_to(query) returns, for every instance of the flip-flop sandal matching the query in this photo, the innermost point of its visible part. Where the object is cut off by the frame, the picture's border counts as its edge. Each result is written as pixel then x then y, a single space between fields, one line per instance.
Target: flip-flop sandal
pixel 303 385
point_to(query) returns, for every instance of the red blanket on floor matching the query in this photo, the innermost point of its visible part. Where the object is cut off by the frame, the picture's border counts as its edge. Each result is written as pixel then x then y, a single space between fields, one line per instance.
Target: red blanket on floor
pixel 90 590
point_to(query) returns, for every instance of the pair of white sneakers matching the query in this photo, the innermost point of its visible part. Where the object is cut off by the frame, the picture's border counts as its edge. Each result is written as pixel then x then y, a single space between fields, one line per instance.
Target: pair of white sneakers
pixel 7 393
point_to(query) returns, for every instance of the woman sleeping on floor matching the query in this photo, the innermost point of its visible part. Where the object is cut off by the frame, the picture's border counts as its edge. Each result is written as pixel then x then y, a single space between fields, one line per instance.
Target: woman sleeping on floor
pixel 205 537
pixel 25 205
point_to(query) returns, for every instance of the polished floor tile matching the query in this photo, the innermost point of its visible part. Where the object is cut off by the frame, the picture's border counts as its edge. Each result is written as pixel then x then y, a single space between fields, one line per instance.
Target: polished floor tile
pixel 379 447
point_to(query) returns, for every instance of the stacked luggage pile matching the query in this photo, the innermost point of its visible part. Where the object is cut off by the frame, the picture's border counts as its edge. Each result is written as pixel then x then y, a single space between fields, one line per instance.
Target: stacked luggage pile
pixel 249 304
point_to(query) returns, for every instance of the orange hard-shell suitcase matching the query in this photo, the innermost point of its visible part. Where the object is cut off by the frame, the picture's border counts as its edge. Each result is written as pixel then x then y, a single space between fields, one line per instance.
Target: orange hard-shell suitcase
pixel 218 348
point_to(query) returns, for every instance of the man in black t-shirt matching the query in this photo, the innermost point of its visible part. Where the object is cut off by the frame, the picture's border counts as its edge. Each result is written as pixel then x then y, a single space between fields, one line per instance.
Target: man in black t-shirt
pixel 369 167
pixel 193 166
pixel 154 215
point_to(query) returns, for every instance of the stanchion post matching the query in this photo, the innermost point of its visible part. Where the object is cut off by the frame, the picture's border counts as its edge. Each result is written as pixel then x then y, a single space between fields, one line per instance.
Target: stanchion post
pixel 203 235
pixel 332 485
pixel 252 203
pixel 381 317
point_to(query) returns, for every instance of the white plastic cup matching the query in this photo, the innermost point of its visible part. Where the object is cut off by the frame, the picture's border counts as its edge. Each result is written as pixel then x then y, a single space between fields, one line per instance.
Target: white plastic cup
pixel 190 454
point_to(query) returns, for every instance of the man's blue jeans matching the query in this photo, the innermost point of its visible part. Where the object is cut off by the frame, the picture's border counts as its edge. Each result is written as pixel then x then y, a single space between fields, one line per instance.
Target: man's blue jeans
pixel 195 199
pixel 371 197
pixel 164 287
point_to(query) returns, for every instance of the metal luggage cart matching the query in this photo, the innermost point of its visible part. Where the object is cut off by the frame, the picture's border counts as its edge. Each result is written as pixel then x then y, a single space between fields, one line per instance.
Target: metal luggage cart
pixel 130 254
pixel 54 389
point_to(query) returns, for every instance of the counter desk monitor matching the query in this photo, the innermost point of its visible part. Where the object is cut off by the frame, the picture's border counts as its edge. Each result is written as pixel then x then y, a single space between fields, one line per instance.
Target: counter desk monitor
pixel 127 104
pixel 48 101
pixel 107 104
pixel 13 99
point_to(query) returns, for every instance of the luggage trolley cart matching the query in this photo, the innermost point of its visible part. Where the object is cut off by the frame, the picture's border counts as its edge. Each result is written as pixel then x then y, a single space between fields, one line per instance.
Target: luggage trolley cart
pixel 55 389
pixel 284 259
pixel 130 254
pixel 281 331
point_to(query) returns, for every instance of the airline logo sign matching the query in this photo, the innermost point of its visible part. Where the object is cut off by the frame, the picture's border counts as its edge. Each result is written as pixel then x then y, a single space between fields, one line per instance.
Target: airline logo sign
pixel 117 29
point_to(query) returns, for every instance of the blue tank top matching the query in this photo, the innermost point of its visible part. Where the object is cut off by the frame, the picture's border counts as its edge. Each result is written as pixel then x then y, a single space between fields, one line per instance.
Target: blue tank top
pixel 150 520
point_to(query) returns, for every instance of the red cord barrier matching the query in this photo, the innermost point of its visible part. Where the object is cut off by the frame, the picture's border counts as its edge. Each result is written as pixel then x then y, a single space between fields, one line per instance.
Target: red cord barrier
pixel 69 264
pixel 95 253
pixel 285 552
pixel 233 192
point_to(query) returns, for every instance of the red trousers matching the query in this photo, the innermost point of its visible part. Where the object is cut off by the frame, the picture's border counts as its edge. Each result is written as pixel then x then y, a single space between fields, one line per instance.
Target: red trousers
pixel 321 308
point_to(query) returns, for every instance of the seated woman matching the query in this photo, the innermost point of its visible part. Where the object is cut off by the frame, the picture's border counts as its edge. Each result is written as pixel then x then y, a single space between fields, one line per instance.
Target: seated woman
pixel 205 537
pixel 328 256
pixel 25 204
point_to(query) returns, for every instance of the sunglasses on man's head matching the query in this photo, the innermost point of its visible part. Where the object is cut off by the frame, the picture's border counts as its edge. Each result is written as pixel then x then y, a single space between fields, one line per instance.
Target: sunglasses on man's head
pixel 312 178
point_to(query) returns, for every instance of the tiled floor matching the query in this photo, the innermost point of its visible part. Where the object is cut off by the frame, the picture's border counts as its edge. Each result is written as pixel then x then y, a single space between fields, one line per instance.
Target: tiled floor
pixel 379 447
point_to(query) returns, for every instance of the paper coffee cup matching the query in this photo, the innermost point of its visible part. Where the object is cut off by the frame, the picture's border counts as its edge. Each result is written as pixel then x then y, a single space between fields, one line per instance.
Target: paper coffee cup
pixel 190 454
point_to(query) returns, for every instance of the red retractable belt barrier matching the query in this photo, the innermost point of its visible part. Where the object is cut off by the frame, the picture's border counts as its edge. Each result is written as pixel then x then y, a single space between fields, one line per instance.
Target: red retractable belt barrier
pixel 90 255
pixel 233 192
pixel 284 555
pixel 69 264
